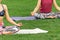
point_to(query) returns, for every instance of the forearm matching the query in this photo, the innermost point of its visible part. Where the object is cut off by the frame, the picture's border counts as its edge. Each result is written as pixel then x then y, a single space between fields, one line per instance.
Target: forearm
pixel 11 21
pixel 36 9
pixel 56 6
pixel 58 9
pixel 38 6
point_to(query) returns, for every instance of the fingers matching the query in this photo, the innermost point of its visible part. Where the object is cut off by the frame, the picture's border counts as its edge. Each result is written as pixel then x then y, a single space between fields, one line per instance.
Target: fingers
pixel 32 13
pixel 19 24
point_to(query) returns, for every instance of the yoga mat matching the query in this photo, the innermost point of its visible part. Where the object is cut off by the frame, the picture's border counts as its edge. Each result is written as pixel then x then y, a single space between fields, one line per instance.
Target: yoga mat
pixel 57 14
pixel 31 31
pixel 24 18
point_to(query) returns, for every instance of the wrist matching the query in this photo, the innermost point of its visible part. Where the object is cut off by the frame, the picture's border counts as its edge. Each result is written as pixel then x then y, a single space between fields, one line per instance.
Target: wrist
pixel 15 24
pixel 34 12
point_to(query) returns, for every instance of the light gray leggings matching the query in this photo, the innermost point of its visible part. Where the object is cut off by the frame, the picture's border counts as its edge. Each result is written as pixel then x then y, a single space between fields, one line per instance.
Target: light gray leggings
pixel 12 29
pixel 45 15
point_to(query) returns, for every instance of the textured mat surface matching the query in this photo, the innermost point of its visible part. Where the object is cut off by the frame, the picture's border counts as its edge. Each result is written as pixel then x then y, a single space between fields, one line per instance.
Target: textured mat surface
pixel 31 31
pixel 23 18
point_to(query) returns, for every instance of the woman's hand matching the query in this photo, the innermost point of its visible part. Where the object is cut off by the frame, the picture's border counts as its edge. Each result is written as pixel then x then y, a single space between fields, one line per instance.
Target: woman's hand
pixel 32 13
pixel 19 24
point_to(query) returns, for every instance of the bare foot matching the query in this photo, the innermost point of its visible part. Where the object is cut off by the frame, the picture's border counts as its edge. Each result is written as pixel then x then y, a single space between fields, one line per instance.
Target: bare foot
pixel 51 17
pixel 9 32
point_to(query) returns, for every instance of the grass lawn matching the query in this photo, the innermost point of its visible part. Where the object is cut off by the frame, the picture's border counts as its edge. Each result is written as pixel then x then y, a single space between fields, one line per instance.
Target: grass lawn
pixel 23 8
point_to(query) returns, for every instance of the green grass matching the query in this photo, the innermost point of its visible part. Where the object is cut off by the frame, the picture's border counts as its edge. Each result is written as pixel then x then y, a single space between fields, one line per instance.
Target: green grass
pixel 23 8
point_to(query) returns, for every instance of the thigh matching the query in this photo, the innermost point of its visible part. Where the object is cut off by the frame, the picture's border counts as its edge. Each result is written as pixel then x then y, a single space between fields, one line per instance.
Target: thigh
pixel 50 15
pixel 57 14
pixel 1 30
pixel 7 32
pixel 39 15
pixel 12 29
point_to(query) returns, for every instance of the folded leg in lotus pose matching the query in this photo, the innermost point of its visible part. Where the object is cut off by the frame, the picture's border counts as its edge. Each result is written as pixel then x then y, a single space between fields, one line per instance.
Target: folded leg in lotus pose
pixel 45 9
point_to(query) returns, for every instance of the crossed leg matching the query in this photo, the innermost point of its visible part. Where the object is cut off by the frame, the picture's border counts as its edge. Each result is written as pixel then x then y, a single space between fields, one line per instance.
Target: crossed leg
pixel 48 15
pixel 10 30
